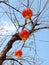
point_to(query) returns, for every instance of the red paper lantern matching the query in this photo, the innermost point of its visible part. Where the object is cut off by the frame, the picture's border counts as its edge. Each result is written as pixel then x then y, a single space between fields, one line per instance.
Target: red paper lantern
pixel 27 13
pixel 24 34
pixel 18 53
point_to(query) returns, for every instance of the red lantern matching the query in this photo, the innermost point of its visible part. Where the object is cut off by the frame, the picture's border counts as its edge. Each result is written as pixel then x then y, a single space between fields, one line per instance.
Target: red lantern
pixel 18 53
pixel 24 34
pixel 27 13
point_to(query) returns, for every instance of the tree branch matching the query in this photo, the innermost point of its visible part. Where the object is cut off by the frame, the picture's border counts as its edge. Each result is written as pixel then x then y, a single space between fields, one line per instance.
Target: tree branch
pixel 8 47
pixel 27 3
pixel 7 58
pixel 45 27
pixel 11 7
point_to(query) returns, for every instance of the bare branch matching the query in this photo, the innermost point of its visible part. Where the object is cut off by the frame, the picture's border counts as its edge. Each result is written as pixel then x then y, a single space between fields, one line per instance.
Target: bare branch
pixel 7 58
pixel 12 7
pixel 40 28
pixel 27 3
pixel 8 47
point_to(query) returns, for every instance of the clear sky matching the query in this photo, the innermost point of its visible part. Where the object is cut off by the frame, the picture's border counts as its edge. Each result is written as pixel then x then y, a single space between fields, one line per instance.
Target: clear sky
pixel 41 37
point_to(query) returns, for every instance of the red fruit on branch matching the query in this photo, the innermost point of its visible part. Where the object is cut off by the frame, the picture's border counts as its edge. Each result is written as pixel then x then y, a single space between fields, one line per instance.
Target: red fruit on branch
pixel 24 34
pixel 27 13
pixel 18 53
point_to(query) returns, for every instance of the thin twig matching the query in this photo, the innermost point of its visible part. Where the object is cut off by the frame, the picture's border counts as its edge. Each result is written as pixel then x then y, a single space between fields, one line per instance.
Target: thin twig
pixel 7 58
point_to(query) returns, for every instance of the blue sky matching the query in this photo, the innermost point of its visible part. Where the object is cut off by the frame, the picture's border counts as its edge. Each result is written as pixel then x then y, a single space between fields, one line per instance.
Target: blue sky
pixel 43 46
pixel 41 37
